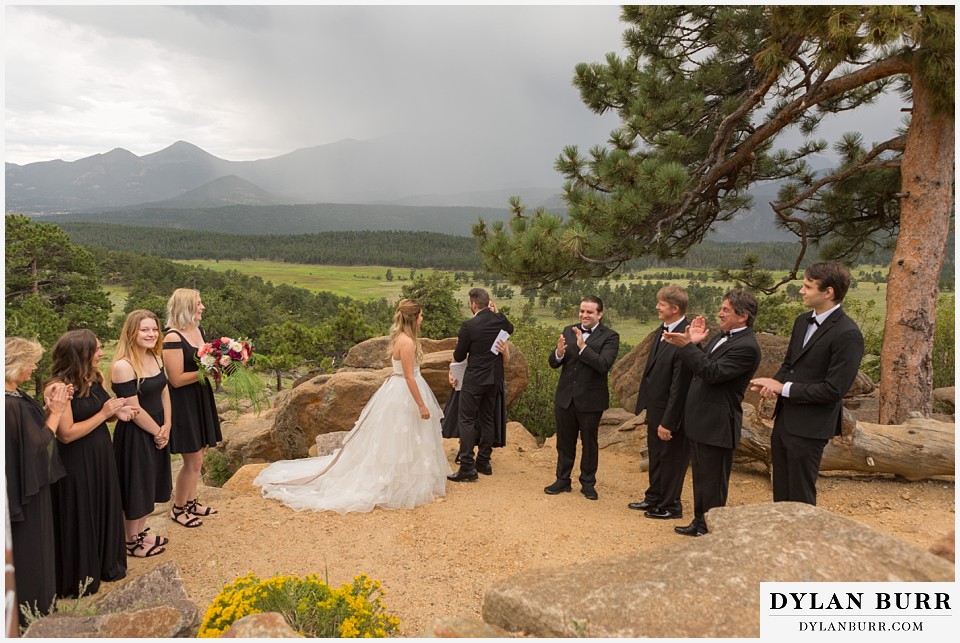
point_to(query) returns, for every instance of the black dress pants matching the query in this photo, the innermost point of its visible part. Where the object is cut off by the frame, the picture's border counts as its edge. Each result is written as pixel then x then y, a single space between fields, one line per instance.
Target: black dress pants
pixel 796 465
pixel 668 460
pixel 476 424
pixel 711 478
pixel 571 424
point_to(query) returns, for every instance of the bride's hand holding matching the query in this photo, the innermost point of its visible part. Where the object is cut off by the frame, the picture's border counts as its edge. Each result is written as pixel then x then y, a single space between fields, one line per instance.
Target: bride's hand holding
pixel 424 412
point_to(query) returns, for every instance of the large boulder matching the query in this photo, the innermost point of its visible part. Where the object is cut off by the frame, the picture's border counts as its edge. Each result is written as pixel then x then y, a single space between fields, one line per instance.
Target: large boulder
pixel 155 605
pixel 374 352
pixel 715 578
pixel 249 438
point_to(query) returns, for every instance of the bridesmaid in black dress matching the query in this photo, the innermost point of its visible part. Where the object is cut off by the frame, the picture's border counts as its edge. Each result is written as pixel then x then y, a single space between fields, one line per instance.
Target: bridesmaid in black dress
pixel 32 464
pixel 195 424
pixel 143 457
pixel 88 517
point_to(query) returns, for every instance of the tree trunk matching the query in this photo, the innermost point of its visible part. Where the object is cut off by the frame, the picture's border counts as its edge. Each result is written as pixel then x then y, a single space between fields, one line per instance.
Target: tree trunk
pixel 927 175
pixel 918 449
pixel 278 381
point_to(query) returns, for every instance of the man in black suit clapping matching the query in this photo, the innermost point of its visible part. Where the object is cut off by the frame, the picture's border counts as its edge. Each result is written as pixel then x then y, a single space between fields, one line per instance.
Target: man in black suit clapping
pixel 713 415
pixel 481 381
pixel 820 366
pixel 586 351
pixel 663 391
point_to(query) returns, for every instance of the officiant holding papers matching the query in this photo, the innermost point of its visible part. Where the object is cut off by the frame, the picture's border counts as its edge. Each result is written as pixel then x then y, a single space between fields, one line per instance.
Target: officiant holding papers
pixel 479 342
pixel 451 420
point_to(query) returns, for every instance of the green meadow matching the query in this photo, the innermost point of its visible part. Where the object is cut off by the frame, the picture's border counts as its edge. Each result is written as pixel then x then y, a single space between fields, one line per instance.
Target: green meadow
pixel 369 282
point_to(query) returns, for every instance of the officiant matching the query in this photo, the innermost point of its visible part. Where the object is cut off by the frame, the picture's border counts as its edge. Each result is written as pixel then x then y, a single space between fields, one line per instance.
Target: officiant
pixel 451 422
pixel 477 343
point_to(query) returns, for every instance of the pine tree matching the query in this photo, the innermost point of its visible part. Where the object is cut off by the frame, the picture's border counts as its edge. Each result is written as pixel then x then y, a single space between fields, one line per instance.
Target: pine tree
pixel 702 95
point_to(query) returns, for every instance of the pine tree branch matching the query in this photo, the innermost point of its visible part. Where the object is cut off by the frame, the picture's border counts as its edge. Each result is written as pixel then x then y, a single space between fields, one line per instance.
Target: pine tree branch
pixel 896 143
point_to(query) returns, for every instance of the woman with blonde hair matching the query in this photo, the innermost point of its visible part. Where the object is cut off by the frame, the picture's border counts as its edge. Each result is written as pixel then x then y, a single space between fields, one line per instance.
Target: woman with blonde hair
pixel 32 465
pixel 87 506
pixel 140 446
pixel 195 424
pixel 392 458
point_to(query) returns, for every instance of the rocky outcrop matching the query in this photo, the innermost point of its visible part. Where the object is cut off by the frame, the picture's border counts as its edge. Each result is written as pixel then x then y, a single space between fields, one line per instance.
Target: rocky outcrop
pixel 637 595
pixel 945 396
pixel 269 625
pixel 946 547
pixel 156 605
pixel 241 482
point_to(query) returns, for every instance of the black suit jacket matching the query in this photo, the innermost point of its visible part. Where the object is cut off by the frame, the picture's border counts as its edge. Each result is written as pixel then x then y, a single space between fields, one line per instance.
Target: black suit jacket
pixel 821 374
pixel 713 413
pixel 474 339
pixel 663 388
pixel 583 379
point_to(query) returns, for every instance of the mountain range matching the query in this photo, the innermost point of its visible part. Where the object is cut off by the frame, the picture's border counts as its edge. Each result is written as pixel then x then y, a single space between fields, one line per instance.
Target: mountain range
pixel 348 185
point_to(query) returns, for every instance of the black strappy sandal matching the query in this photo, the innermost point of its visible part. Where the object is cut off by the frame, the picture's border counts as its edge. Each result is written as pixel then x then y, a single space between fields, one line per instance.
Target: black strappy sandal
pixel 177 512
pixel 194 507
pixel 158 540
pixel 137 545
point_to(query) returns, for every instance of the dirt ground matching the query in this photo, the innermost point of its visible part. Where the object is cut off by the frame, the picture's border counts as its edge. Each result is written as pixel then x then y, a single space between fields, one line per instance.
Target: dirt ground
pixel 437 559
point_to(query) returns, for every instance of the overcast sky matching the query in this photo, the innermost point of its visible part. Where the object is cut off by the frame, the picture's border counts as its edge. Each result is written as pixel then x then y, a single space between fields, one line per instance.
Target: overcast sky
pixel 248 82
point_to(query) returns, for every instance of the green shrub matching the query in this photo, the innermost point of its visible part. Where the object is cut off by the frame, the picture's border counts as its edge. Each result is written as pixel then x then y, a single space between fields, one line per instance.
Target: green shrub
pixel 308 605
pixel 216 468
pixel 534 408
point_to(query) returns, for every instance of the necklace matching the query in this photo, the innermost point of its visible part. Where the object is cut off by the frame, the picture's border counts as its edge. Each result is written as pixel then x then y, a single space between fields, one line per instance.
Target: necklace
pixel 13 393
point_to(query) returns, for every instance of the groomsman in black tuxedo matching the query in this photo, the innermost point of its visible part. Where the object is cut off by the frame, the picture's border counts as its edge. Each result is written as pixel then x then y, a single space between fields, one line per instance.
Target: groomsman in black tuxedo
pixel 820 366
pixel 663 391
pixel 586 352
pixel 713 415
pixel 481 381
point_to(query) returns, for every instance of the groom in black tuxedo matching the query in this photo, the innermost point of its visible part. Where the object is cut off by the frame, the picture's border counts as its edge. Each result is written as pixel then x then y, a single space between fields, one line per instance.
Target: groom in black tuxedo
pixel 713 412
pixel 820 367
pixel 481 381
pixel 586 352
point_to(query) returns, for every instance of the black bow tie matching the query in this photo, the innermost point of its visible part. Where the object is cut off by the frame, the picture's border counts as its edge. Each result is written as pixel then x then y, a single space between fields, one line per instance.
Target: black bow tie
pixel 813 320
pixel 726 334
pixel 586 330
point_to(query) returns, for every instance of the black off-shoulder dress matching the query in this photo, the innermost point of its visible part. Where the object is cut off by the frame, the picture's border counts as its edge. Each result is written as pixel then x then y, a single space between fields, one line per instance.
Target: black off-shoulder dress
pixel 143 468
pixel 195 423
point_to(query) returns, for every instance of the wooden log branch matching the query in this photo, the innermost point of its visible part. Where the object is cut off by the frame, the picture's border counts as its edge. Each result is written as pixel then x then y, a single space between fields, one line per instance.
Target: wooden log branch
pixel 919 448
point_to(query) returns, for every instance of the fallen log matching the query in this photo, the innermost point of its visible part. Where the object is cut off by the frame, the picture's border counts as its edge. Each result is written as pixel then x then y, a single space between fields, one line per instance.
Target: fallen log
pixel 919 448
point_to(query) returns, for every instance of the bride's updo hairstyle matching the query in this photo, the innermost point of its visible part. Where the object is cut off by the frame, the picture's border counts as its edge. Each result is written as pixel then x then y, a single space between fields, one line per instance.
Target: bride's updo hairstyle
pixel 405 323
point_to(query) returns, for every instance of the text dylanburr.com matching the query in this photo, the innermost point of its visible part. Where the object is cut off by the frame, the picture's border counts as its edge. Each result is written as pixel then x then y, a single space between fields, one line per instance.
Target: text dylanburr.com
pixel 908 611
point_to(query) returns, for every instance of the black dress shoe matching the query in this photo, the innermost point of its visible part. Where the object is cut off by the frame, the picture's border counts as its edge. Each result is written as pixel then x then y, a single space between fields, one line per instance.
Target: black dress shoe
pixel 643 505
pixel 589 493
pixel 464 475
pixel 557 487
pixel 690 530
pixel 662 514
pixel 485 469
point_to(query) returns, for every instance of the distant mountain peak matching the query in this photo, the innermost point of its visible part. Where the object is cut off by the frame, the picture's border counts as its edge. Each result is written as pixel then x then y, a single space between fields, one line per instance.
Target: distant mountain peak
pixel 179 151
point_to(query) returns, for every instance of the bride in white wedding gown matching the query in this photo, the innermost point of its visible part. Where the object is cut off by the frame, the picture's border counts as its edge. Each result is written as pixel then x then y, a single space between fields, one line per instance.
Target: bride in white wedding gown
pixel 392 458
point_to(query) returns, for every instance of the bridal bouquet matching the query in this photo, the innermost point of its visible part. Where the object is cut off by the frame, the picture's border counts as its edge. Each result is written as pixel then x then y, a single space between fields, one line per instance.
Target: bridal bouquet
pixel 224 360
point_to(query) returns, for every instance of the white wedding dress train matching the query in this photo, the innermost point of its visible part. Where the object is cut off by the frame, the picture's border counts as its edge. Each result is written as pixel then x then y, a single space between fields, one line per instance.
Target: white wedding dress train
pixel 391 458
